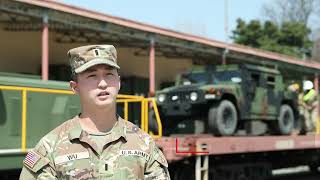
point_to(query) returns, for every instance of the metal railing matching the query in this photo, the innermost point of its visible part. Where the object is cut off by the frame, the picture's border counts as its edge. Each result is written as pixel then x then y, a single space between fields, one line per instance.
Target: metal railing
pixel 126 99
pixel 146 103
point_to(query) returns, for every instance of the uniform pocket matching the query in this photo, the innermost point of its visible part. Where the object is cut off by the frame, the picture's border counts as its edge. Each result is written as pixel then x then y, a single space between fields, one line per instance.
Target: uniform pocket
pixel 129 167
pixel 76 169
pixel 125 174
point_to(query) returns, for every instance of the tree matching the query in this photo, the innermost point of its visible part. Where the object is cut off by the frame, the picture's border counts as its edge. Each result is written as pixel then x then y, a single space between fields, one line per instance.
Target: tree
pixel 306 12
pixel 290 38
pixel 316 51
pixel 291 11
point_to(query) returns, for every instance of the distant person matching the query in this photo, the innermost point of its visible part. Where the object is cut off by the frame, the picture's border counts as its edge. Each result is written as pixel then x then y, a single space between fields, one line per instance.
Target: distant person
pixel 96 144
pixel 309 104
pixel 295 87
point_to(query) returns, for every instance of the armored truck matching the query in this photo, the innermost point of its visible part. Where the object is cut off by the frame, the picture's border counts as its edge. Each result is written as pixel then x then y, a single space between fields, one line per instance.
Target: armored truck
pixel 224 98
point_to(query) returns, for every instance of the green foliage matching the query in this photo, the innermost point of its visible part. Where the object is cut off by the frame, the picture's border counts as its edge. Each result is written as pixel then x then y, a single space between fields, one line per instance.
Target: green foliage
pixel 290 38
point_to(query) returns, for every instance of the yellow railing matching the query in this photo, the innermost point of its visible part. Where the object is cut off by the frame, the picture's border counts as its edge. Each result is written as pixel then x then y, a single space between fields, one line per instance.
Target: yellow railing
pixel 145 103
pixel 126 99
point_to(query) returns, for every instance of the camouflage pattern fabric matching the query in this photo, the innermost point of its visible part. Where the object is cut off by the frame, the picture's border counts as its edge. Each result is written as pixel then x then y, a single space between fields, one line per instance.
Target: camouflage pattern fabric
pixel 68 152
pixel 84 57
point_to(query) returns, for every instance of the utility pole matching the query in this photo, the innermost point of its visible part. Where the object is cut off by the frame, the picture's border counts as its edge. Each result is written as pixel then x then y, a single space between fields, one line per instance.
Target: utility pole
pixel 226 29
pixel 226 20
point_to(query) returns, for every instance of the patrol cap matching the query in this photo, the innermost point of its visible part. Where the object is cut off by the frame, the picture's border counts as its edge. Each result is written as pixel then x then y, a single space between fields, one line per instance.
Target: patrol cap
pixel 84 57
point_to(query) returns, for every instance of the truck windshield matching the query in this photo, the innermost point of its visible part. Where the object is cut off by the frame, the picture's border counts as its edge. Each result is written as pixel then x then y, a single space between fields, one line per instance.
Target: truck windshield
pixel 194 78
pixel 227 76
pixel 203 77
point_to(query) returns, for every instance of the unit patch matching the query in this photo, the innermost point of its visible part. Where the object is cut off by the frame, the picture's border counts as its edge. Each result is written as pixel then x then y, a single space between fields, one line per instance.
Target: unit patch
pixel 31 159
pixel 71 157
pixel 135 153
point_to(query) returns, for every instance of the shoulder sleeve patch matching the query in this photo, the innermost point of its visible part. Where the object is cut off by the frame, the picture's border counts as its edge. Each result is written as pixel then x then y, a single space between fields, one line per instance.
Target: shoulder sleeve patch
pixel 34 161
pixel 31 159
pixel 159 157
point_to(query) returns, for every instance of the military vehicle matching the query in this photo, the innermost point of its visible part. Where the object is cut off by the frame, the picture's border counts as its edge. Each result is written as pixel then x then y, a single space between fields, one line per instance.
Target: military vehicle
pixel 224 98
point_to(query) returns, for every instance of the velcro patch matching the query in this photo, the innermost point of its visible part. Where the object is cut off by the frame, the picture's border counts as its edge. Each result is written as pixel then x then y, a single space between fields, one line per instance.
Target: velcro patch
pixel 71 157
pixel 135 153
pixel 31 159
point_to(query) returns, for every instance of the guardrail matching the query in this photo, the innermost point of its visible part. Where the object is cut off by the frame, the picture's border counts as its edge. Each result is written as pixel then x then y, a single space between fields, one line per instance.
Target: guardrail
pixel 126 99
pixel 145 104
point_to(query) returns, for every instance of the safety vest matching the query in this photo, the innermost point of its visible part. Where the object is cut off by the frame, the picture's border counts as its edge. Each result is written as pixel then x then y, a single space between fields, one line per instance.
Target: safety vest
pixel 309 95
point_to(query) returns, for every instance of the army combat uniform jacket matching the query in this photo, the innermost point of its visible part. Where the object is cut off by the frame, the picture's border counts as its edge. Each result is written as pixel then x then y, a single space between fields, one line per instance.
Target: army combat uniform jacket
pixel 68 152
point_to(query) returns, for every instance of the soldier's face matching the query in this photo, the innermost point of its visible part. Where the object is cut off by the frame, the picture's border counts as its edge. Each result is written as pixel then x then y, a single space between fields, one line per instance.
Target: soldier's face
pixel 98 86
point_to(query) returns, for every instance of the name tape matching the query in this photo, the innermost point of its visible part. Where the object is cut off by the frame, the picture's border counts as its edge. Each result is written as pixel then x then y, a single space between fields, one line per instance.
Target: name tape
pixel 71 157
pixel 135 153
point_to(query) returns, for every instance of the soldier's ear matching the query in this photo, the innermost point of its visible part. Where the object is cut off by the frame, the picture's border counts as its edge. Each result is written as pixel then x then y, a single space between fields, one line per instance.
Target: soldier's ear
pixel 74 87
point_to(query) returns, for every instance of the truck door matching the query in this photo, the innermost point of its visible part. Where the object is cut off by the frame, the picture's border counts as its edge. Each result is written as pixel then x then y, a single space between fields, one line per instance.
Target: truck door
pixel 257 96
pixel 271 95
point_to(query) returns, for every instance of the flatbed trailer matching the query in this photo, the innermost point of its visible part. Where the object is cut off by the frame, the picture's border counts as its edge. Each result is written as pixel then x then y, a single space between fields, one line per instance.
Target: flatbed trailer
pixel 235 158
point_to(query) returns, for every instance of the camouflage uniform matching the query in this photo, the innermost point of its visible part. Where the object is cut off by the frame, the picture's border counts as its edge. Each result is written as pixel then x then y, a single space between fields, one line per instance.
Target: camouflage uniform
pixel 68 152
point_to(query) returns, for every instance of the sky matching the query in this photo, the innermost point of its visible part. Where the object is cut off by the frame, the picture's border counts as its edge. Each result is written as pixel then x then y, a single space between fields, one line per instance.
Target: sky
pixel 202 17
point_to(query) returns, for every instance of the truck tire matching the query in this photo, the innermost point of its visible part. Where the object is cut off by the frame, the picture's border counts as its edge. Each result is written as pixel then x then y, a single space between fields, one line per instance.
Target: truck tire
pixel 285 122
pixel 223 119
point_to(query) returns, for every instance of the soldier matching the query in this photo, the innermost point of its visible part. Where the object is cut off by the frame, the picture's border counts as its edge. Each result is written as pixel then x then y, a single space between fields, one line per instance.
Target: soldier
pixel 309 104
pixel 96 144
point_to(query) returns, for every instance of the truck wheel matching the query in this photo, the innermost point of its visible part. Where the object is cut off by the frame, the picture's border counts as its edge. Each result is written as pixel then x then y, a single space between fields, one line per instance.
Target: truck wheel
pixel 285 121
pixel 223 119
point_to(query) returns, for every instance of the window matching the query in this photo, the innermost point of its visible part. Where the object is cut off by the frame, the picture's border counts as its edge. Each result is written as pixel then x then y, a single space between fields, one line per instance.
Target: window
pixel 256 79
pixel 194 78
pixel 271 83
pixel 228 76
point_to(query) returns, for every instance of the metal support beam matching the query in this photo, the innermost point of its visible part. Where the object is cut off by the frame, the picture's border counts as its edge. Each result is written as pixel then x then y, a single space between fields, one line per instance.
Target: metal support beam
pixel 202 167
pixel 74 21
pixel 45 49
pixel 224 56
pixel 152 68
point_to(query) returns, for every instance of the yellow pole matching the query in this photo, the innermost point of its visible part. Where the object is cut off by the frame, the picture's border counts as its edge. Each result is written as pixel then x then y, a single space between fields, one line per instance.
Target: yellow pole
pixel 156 112
pixel 129 96
pixel 142 115
pixel 146 126
pixel 24 121
pixel 128 100
pixel 42 90
pixel 126 110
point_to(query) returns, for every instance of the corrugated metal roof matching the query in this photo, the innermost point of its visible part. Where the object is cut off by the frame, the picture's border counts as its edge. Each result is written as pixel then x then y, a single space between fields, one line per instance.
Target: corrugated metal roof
pixel 233 48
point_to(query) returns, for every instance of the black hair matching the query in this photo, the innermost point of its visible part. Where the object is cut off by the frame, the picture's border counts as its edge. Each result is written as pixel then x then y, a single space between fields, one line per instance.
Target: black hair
pixel 74 76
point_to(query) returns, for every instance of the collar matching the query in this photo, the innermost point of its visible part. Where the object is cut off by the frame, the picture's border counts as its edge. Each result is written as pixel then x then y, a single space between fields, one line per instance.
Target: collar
pixel 118 130
pixel 76 130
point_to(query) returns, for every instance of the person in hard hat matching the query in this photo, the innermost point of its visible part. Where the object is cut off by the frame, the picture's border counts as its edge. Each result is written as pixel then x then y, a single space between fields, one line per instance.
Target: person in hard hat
pixel 294 87
pixel 309 105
